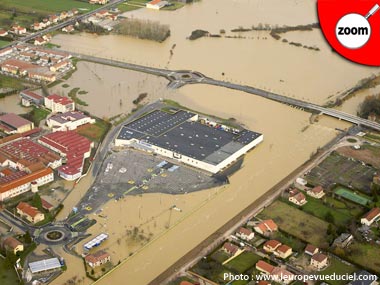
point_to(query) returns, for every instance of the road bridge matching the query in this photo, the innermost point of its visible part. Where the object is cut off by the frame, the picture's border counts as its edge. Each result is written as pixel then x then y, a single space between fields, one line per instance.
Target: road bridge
pixel 179 78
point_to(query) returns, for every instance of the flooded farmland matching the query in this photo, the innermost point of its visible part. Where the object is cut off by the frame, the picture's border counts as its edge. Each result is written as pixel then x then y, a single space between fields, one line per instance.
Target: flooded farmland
pixel 255 59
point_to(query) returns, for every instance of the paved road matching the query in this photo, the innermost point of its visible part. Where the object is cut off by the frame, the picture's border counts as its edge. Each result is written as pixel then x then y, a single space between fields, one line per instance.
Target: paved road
pixel 70 21
pixel 179 78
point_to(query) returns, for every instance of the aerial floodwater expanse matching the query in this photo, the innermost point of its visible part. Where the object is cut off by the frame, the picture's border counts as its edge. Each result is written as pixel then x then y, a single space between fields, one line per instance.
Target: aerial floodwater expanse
pixel 185 142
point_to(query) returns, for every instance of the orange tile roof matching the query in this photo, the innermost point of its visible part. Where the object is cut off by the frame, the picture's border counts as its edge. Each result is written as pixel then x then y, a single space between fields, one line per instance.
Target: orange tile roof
pixel 272 243
pixel 283 248
pixel 28 209
pixel 25 179
pixel 372 214
pixel 264 266
pixel 319 257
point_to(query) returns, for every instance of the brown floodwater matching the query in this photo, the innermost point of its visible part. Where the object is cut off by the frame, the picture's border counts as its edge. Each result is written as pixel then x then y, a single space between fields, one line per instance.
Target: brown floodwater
pixel 258 60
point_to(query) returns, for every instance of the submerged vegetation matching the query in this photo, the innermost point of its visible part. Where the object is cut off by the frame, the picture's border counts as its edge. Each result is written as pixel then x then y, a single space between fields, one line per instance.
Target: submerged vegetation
pixel 143 29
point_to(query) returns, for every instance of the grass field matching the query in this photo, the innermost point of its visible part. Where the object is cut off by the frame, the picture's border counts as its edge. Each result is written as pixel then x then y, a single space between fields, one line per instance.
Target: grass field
pixel 8 275
pixel 351 196
pixel 3 43
pixel 297 223
pixel 318 209
pixel 339 268
pixel 94 132
pixel 219 256
pixel 291 241
pixel 242 262
pixel 366 255
pixel 10 82
pixel 338 169
pixel 45 6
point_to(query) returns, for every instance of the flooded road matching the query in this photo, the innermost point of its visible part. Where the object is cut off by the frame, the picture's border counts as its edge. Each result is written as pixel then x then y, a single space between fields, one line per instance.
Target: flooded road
pixel 256 59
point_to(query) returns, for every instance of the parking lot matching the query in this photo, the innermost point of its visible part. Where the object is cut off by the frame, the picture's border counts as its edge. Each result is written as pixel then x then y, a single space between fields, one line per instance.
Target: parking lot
pixel 130 172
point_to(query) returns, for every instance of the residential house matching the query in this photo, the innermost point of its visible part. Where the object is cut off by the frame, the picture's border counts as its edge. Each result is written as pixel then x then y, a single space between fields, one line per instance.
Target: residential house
pixel 281 275
pixel 311 250
pixel 46 205
pixel 68 29
pixel 3 33
pixel 13 245
pixel 297 198
pixel 245 234
pixel 265 227
pixel 264 267
pixel 18 30
pixel 156 4
pixel 283 251
pixel 39 41
pixel 97 259
pixel 32 214
pixel 319 261
pixel 6 51
pixel 271 245
pixel 343 240
pixel 316 192
pixel 230 248
pixel 371 217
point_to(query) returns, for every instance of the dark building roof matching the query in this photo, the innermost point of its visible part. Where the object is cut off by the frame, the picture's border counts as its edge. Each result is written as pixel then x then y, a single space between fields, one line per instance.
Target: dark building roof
pixel 14 121
pixel 368 280
pixel 193 139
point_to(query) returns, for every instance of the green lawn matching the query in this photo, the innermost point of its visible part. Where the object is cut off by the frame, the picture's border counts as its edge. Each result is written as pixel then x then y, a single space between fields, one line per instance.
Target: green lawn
pixel 94 132
pixel 126 7
pixel 45 6
pixel 10 82
pixel 339 268
pixel 242 262
pixel 219 256
pixel 38 114
pixel 366 255
pixel 289 240
pixel 3 43
pixel 8 275
pixel 316 208
pixel 297 223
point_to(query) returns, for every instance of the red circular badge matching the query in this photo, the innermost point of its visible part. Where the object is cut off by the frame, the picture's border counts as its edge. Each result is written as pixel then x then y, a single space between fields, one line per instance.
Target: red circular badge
pixel 352 28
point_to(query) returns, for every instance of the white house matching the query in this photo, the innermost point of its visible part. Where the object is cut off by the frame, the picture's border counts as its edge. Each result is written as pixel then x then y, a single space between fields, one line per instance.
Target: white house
pixel 156 4
pixel 371 217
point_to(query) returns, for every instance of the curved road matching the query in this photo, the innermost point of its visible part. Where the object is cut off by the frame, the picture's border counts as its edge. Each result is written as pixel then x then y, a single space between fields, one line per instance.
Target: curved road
pixel 183 77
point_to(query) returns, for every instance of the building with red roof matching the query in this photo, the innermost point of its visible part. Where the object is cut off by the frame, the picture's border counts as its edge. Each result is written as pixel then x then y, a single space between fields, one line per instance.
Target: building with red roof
pixel 12 244
pixel 11 124
pixel 264 267
pixel 19 182
pixel 271 245
pixel 283 251
pixel 73 147
pixel 29 97
pixel 265 227
pixel 156 4
pixel 371 217
pixel 32 214
pixel 59 104
pixel 97 259
pixel 230 248
pixel 316 192
pixel 245 234
pixel 23 153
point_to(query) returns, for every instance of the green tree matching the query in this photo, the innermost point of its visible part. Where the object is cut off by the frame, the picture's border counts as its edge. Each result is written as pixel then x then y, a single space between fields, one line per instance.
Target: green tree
pixel 329 217
pixel 37 202
pixel 27 237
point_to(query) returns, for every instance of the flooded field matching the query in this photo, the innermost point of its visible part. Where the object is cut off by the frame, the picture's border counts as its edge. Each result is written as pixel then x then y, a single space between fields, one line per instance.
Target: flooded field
pixel 111 90
pixel 11 103
pixel 203 212
pixel 257 59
